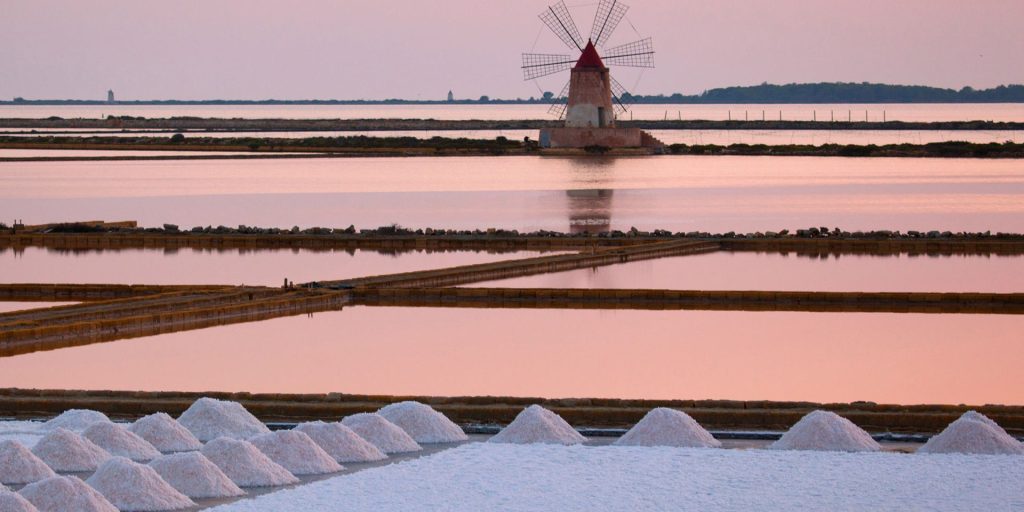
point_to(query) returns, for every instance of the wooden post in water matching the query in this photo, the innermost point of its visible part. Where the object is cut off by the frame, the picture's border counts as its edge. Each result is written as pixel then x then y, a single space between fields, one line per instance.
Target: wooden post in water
pixel 849 114
pixel 883 116
pixel 833 114
pixel 746 115
pixel 780 115
pixel 762 116
pixel 814 116
pixel 865 116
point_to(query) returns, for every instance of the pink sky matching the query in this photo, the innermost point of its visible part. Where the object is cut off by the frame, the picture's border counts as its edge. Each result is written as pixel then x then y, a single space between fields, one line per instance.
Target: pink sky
pixel 252 49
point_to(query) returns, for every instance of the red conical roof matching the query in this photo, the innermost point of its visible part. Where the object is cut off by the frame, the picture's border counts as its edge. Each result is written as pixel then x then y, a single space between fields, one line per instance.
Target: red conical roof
pixel 590 58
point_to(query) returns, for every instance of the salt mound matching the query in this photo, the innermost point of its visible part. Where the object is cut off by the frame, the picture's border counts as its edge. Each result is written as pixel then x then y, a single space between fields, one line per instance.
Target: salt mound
pixel 18 465
pixel 341 442
pixel 208 419
pixel 246 465
pixel 64 450
pixel 195 476
pixel 297 452
pixel 165 434
pixel 76 419
pixel 13 502
pixel 826 431
pixel 131 486
pixel 386 436
pixel 423 423
pixel 977 416
pixel 970 434
pixel 65 494
pixel 668 427
pixel 120 442
pixel 536 424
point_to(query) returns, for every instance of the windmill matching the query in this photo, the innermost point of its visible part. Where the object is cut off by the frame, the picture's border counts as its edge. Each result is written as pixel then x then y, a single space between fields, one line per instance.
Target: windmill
pixel 591 97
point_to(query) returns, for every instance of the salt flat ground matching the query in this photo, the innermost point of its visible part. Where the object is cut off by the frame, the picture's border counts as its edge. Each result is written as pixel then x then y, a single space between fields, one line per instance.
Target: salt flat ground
pixel 483 476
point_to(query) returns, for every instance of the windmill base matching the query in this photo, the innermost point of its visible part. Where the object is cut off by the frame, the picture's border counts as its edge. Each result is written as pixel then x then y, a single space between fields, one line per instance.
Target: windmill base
pixel 604 137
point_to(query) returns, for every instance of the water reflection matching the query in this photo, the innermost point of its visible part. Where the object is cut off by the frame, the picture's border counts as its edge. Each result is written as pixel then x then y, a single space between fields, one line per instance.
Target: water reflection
pixel 590 209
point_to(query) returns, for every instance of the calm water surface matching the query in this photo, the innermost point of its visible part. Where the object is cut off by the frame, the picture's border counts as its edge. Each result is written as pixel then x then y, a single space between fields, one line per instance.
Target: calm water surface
pixel 565 353
pixel 18 306
pixel 680 193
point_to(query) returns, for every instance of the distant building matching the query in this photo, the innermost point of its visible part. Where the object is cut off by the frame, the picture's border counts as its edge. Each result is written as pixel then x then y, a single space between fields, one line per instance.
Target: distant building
pixel 110 96
pixel 451 97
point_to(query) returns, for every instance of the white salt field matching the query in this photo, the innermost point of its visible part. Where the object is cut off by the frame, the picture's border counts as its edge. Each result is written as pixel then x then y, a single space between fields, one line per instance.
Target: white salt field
pixel 820 357
pixel 684 193
pixel 747 270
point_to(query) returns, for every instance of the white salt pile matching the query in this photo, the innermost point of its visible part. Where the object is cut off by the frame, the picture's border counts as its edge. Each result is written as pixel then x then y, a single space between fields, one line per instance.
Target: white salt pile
pixel 120 442
pixel 245 464
pixel 208 419
pixel 826 431
pixel 386 436
pixel 64 450
pixel 195 476
pixel 668 427
pixel 536 424
pixel 296 451
pixel 341 442
pixel 165 433
pixel 423 423
pixel 973 433
pixel 75 419
pixel 13 502
pixel 65 494
pixel 131 486
pixel 18 465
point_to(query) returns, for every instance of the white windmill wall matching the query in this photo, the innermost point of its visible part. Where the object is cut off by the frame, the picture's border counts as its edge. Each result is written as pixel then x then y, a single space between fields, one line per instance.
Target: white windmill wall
pixel 590 99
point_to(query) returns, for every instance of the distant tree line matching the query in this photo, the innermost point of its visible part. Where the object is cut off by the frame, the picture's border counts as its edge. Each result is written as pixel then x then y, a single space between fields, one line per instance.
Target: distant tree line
pixel 832 92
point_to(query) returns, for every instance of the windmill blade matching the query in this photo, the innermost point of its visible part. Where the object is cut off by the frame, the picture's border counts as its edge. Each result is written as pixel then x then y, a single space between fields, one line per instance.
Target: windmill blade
pixel 557 18
pixel 536 65
pixel 560 103
pixel 620 96
pixel 609 14
pixel 638 54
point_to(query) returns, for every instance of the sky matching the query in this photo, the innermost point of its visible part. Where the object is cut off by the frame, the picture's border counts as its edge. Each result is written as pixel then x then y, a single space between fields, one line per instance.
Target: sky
pixel 420 49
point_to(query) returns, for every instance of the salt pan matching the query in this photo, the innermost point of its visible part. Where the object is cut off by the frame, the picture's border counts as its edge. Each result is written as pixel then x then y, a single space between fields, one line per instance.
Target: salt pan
pixel 64 450
pixel 18 465
pixel 13 502
pixel 536 424
pixel 826 431
pixel 423 423
pixel 135 487
pixel 65 494
pixel 120 442
pixel 208 419
pixel 245 464
pixel 668 427
pixel 195 476
pixel 341 442
pixel 165 433
pixel 973 433
pixel 386 436
pixel 296 451
pixel 75 419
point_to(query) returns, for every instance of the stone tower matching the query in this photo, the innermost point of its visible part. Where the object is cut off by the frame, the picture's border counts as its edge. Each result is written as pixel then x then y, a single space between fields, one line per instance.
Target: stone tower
pixel 590 93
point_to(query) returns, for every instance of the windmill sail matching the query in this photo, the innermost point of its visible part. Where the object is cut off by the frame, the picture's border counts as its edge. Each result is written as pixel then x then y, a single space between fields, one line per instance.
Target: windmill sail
pixel 557 18
pixel 536 65
pixel 638 54
pixel 560 102
pixel 609 14
pixel 620 96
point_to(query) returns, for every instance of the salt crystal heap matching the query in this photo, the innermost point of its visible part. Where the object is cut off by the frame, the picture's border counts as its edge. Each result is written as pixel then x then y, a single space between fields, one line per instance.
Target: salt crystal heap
pixel 536 424
pixel 386 436
pixel 165 433
pixel 423 423
pixel 18 465
pixel 341 442
pixel 296 451
pixel 208 419
pixel 973 433
pixel 131 486
pixel 64 494
pixel 75 419
pixel 668 427
pixel 13 502
pixel 246 465
pixel 192 474
pixel 64 450
pixel 120 442
pixel 826 431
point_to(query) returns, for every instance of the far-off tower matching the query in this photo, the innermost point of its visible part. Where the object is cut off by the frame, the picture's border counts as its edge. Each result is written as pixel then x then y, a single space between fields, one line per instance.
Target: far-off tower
pixel 110 95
